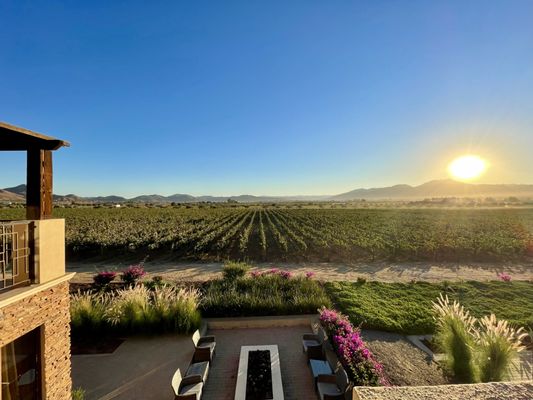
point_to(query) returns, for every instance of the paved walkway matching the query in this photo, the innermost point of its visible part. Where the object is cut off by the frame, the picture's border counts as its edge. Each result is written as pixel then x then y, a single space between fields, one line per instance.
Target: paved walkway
pixel 140 369
pixel 386 272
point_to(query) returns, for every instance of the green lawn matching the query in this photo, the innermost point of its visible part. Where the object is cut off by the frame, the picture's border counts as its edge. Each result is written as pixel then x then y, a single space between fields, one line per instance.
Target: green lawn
pixel 406 307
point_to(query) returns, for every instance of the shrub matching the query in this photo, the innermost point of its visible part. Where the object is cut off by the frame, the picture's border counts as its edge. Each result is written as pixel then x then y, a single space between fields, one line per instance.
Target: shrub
pixel 104 278
pixel 498 345
pixel 156 282
pixel 309 274
pixel 455 327
pixel 505 277
pixel 361 280
pixel 234 270
pixel 264 294
pixel 132 274
pixel 357 360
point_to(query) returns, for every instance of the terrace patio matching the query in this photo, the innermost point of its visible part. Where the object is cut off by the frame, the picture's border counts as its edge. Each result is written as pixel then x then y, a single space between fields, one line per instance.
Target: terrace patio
pixel 149 363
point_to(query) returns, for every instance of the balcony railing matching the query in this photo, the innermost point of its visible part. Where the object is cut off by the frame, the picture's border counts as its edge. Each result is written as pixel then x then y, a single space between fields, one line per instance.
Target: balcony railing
pixel 15 265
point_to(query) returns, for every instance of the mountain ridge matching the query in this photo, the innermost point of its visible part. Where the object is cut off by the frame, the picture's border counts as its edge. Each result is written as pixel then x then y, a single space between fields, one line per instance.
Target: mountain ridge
pixel 431 189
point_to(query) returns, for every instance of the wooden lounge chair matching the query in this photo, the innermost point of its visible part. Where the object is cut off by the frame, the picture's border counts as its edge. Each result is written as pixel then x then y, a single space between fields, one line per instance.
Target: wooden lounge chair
pixel 188 387
pixel 312 344
pixel 204 347
pixel 333 387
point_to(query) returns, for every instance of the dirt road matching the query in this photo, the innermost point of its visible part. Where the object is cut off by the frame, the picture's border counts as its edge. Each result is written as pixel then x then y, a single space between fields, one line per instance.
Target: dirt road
pixel 382 271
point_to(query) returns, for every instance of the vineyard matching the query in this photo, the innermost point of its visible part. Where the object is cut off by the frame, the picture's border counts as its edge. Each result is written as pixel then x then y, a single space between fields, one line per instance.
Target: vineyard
pixel 264 233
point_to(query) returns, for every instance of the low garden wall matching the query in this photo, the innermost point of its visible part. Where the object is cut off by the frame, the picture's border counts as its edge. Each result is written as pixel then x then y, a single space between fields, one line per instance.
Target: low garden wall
pixel 479 391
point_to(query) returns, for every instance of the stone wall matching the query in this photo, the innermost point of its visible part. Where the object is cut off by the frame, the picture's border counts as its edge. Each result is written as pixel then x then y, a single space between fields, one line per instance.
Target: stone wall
pixel 48 309
pixel 479 391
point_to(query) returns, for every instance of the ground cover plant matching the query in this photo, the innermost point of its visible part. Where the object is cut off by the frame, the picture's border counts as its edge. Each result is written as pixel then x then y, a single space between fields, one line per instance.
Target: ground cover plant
pixel 271 233
pixel 407 307
pixel 274 292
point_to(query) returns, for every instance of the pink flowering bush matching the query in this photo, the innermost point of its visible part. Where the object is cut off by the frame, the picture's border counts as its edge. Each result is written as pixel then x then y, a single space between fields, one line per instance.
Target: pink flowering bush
pixel 285 274
pixel 104 278
pixel 132 274
pixel 358 361
pixel 273 271
pixel 504 277
pixel 309 274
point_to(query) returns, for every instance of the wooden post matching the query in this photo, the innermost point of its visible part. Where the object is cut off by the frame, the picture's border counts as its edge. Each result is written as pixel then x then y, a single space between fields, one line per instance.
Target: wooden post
pixel 39 184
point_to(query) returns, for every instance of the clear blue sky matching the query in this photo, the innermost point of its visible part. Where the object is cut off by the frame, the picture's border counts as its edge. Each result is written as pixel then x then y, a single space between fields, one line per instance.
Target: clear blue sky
pixel 268 97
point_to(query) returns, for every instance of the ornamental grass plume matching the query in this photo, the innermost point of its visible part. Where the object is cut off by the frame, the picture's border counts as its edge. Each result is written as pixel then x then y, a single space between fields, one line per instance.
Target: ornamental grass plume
pixel 498 344
pixel 476 349
pixel 455 335
pixel 87 311
pixel 129 307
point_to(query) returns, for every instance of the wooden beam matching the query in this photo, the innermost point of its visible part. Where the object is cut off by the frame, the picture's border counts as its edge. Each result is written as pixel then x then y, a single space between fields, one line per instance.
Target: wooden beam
pixel 39 201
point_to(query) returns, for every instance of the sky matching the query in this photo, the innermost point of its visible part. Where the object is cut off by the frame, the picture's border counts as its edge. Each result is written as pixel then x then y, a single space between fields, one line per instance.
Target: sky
pixel 267 97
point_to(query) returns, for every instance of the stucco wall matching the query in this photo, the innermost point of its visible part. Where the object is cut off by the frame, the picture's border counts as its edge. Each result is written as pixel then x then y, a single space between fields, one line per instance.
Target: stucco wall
pixel 49 250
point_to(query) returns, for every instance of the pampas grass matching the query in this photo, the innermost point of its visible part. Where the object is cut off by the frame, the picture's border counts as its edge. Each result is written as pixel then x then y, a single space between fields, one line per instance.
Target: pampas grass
pixel 455 327
pixel 498 344
pixel 476 349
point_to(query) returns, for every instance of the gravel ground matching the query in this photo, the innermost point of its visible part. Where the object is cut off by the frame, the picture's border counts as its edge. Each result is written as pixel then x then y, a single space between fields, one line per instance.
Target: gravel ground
pixel 403 363
pixel 481 391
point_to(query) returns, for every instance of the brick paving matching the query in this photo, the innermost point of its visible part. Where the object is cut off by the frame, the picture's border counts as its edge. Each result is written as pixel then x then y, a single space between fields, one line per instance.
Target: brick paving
pixel 295 374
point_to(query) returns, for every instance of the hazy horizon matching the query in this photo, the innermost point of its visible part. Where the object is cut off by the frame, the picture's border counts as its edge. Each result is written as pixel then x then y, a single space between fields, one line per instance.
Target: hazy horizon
pixel 141 193
pixel 277 99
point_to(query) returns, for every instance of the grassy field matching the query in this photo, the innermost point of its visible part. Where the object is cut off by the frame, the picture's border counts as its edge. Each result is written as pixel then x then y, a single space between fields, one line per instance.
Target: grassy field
pixel 272 233
pixel 406 307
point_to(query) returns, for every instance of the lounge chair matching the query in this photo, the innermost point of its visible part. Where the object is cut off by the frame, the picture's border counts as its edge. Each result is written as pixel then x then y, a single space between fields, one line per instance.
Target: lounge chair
pixel 187 388
pixel 199 368
pixel 313 344
pixel 204 347
pixel 333 387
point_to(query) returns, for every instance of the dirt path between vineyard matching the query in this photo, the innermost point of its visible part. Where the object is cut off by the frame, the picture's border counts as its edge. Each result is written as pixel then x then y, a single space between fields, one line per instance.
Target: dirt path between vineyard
pixel 381 271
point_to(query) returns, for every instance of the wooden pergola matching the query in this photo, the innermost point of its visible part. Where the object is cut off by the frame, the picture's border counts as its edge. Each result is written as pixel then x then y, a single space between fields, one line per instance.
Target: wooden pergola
pixel 39 175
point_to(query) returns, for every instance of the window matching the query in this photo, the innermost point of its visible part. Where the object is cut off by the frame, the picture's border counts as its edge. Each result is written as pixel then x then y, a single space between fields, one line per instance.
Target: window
pixel 20 362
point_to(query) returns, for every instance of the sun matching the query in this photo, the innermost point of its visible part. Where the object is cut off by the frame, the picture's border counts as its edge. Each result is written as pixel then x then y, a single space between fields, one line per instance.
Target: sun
pixel 468 167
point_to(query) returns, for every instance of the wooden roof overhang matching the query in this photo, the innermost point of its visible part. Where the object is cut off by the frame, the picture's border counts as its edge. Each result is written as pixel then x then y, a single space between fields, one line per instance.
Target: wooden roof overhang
pixel 14 138
pixel 39 176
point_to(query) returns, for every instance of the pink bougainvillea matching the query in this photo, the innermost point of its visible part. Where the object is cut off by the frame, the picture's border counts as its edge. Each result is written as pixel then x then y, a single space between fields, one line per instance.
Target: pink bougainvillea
pixel 358 361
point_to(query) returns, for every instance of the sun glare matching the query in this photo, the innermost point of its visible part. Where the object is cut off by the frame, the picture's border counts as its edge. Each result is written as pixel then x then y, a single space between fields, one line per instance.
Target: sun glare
pixel 467 167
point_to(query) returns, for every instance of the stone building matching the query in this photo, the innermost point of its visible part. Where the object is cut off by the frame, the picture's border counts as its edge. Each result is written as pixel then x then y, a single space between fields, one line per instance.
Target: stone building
pixel 34 298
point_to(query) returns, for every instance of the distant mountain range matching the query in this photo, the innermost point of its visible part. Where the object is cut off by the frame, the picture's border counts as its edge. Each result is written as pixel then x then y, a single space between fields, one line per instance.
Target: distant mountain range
pixel 432 189
pixel 438 188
